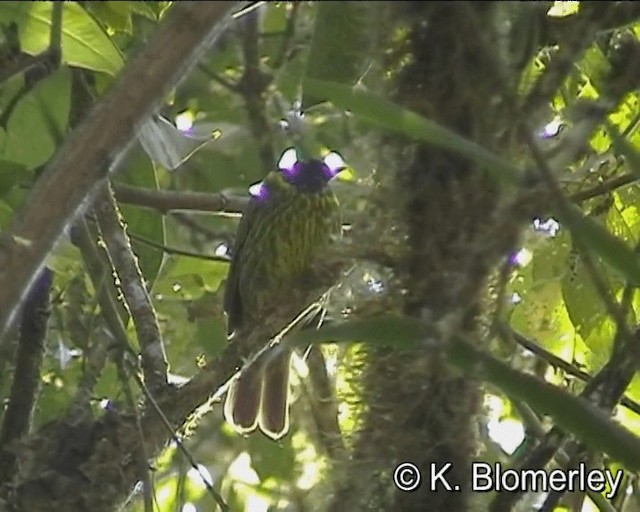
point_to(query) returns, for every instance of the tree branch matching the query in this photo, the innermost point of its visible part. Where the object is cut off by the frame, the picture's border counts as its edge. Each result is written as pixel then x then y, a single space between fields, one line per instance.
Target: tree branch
pixel 603 188
pixel 324 406
pixel 26 376
pixel 287 37
pixel 97 145
pixel 165 201
pixel 180 252
pixel 124 261
pixel 253 85
pixel 89 464
pixel 558 362
pixel 96 261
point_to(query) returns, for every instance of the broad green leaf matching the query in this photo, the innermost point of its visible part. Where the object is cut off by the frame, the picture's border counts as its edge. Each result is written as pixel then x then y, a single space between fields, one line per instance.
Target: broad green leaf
pixel 385 114
pixel 179 333
pixel 623 218
pixel 584 305
pixel 599 342
pixel 595 67
pixel 40 112
pixel 633 391
pixel 572 413
pixel 542 315
pixel 170 147
pixel 613 251
pixel 84 43
pixel 387 330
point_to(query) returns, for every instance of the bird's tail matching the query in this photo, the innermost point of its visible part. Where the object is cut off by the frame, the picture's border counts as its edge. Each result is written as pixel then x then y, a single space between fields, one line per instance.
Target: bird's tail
pixel 259 397
pixel 274 410
pixel 243 400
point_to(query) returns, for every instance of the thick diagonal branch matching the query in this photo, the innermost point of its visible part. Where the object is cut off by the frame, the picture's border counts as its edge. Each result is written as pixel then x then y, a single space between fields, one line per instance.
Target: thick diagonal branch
pixel 98 142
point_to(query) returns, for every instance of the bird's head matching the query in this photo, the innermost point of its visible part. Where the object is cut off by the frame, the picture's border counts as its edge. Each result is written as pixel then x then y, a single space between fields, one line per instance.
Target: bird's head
pixel 311 175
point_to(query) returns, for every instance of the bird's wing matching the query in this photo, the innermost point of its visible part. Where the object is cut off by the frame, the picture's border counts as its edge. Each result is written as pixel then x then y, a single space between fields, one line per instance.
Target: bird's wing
pixel 232 299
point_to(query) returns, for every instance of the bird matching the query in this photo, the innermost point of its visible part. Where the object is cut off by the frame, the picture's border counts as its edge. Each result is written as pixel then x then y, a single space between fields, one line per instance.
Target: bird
pixel 291 215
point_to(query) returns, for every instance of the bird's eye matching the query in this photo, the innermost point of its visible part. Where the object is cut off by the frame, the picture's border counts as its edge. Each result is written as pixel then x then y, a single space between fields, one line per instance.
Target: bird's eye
pixel 259 191
pixel 288 161
pixel 334 162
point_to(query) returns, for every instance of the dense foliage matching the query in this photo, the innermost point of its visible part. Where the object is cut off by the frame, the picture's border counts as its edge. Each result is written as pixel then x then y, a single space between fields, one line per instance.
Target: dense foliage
pixel 485 302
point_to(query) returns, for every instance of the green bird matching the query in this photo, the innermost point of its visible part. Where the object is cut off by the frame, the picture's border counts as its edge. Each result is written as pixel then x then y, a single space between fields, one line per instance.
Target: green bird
pixel 291 214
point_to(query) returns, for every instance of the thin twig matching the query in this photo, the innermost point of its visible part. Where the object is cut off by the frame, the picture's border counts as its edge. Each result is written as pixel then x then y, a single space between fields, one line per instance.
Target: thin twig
pixel 163 418
pixel 180 252
pixel 565 366
pixel 22 64
pixel 141 453
pixel 226 83
pixel 55 37
pixel 195 226
pixel 603 188
pixel 535 426
pixel 323 405
pixel 287 37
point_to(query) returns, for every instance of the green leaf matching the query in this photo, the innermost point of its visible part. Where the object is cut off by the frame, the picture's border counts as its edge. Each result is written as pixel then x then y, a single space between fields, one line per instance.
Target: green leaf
pixel 572 413
pixel 613 251
pixel 44 110
pixel 582 300
pixel 386 330
pixel 541 312
pixel 385 114
pixel 84 44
